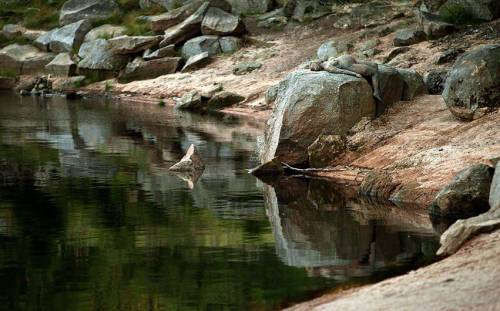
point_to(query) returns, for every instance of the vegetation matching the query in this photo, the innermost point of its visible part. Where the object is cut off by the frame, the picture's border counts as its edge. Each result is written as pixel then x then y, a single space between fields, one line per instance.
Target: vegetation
pixel 108 87
pixel 457 15
pixel 161 103
pixel 4 72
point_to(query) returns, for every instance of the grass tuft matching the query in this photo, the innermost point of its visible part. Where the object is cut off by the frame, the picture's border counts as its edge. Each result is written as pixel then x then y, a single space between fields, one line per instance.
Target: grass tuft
pixel 457 15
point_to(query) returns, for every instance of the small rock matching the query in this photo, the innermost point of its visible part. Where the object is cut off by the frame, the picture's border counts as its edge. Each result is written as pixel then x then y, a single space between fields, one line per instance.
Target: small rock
pixel 190 101
pixel 132 44
pixel 465 196
pixel 196 62
pixel 105 32
pixel 11 31
pixel 220 23
pixel 209 91
pixel 449 55
pixel 409 36
pixel 198 45
pixel 140 69
pixel 275 22
pixel 385 31
pixel 434 81
pixel 230 44
pixel 168 51
pixel 414 84
pixel 224 99
pixel 190 162
pixel 62 65
pixel 395 52
pixel 247 67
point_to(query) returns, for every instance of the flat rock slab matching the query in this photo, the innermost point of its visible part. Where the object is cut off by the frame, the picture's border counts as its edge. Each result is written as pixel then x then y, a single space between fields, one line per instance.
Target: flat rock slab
pixel 142 70
pixel 62 65
pixel 92 10
pixel 221 23
pixel 132 44
pixel 24 59
pixel 186 30
pixel 196 62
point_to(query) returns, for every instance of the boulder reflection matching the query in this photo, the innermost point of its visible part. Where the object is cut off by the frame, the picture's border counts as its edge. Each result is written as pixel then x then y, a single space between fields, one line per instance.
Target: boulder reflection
pixel 334 233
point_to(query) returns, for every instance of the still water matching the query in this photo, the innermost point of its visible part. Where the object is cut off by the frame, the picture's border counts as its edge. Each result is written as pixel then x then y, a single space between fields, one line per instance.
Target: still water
pixel 91 219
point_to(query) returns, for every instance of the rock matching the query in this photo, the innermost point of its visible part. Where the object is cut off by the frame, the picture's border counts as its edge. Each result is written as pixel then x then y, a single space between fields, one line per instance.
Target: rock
pixel 370 44
pixel 11 31
pixel 140 69
pixel 190 101
pixel 391 86
pixel 105 32
pixel 190 162
pixel 7 83
pixel 92 10
pixel 187 29
pixel 97 56
pixel 310 104
pixel 24 59
pixel 230 44
pixel 413 84
pixel 431 5
pixel 224 99
pixel 433 26
pixel 168 51
pixel 198 45
pixel 333 49
pixel 250 6
pixel 409 36
pixel 371 52
pixel 220 23
pixel 173 17
pixel 209 91
pixel 196 62
pixel 473 83
pixel 275 22
pixel 32 35
pixel 483 9
pixel 69 37
pixel 132 44
pixel 434 81
pixel 271 94
pixel 449 55
pixel 465 196
pixel 463 230
pixel 273 168
pixel 378 184
pixel 68 84
pixel 247 67
pixel 395 52
pixel 62 65
pixel 385 31
pixel 43 41
pixel 325 150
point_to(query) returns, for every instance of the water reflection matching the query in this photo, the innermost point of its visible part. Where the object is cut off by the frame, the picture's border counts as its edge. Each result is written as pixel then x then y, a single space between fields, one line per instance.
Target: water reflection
pixel 337 234
pixel 90 217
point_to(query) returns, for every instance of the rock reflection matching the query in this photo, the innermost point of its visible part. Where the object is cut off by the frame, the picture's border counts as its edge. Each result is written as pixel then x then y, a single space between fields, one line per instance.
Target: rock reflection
pixel 334 233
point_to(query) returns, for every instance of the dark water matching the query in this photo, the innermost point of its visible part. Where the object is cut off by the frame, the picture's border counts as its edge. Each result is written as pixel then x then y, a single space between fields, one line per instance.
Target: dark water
pixel 90 218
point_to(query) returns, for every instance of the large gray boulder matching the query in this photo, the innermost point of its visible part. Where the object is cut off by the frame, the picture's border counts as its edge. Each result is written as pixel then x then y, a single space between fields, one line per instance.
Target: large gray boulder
pixel 187 29
pixel 105 31
pixel 168 51
pixel 69 37
pixel 96 55
pixel 132 44
pixel 413 84
pixel 479 9
pixel 198 45
pixel 310 104
pixel 465 196
pixel 24 59
pixel 92 10
pixel 140 69
pixel 473 84
pixel 62 65
pixel 230 44
pixel 220 23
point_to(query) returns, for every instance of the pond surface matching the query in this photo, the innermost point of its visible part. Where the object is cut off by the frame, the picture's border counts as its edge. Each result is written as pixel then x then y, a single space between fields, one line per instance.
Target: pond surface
pixel 91 219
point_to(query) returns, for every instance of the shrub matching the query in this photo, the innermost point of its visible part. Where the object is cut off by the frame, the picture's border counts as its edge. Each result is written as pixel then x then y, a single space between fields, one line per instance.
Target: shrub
pixel 161 103
pixel 457 15
pixel 7 73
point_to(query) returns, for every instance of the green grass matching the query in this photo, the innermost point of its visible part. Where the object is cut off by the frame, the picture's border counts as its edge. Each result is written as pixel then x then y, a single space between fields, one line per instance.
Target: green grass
pixel 161 103
pixel 7 73
pixel 108 87
pixel 457 15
